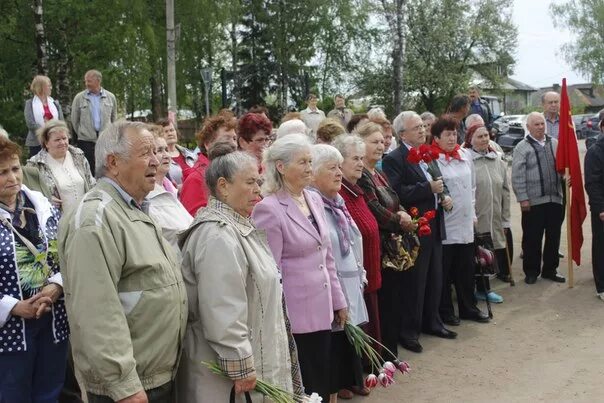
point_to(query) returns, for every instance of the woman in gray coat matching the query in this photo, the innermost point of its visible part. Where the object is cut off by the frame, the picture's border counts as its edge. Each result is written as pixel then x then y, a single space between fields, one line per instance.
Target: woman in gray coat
pixel 236 312
pixel 38 110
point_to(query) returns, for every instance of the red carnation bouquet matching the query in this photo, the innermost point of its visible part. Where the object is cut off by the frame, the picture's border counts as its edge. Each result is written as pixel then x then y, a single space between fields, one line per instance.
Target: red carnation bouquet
pixel 423 222
pixel 428 155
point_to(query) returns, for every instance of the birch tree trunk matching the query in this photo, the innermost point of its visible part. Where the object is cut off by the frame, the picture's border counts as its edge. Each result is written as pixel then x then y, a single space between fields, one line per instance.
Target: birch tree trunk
pixel 41 53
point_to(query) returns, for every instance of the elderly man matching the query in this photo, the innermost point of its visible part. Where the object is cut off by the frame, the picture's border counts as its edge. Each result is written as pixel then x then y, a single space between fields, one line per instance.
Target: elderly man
pixel 124 291
pixel 340 112
pixel 91 111
pixel 538 189
pixel 422 285
pixel 550 101
pixel 312 116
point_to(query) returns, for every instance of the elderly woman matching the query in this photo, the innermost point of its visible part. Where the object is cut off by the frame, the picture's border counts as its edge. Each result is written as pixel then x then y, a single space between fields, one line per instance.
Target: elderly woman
pixel 347 249
pixel 254 134
pixel 236 313
pixel 38 110
pixel 392 221
pixel 458 173
pixel 215 129
pixel 492 198
pixel 164 207
pixel 63 169
pixel 33 322
pixel 299 237
pixel 182 159
pixel 428 118
pixel 352 149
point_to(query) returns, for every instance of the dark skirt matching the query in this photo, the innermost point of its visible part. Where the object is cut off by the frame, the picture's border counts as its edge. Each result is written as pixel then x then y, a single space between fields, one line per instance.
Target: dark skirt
pixel 314 357
pixel 373 327
pixel 346 367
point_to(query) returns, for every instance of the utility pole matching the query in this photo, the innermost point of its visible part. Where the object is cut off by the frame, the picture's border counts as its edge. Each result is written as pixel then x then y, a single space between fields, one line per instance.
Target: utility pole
pixel 171 42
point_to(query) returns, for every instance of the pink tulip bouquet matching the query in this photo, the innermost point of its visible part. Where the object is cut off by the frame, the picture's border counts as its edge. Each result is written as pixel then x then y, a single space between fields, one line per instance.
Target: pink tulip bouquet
pixel 363 345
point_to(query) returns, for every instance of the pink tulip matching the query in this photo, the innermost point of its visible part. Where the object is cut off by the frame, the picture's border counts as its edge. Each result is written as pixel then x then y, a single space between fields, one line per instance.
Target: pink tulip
pixel 402 366
pixel 371 381
pixel 385 380
pixel 389 368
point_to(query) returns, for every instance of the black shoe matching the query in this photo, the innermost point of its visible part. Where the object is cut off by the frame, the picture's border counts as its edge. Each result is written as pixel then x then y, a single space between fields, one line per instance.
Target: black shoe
pixel 442 333
pixel 555 277
pixel 560 255
pixel 451 320
pixel 530 279
pixel 411 345
pixel 477 316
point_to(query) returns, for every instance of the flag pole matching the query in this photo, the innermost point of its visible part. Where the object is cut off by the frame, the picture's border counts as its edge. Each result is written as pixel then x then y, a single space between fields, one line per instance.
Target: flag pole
pixel 569 244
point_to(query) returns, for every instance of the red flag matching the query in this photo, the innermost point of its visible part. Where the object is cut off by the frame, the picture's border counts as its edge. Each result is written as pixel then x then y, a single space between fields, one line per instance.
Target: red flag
pixel 567 156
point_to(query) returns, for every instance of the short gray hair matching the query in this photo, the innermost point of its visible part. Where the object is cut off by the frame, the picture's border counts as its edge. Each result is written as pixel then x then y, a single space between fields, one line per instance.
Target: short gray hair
pixel 3 132
pixel 377 112
pixel 227 166
pixel 294 126
pixel 95 73
pixel 283 150
pixel 532 115
pixel 322 154
pixel 398 124
pixel 473 119
pixel 113 141
pixel 344 142
pixel 427 116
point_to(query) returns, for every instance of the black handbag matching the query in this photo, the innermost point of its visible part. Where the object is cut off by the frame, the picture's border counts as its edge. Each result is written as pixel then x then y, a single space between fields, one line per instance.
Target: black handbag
pixel 248 398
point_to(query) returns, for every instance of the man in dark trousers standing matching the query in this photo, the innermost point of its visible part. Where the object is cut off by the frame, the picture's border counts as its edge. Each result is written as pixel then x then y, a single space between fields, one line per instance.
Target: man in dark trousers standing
pixel 422 285
pixel 594 185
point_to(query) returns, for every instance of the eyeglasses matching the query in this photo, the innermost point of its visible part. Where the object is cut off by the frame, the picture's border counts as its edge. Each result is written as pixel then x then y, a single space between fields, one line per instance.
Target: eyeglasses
pixel 415 128
pixel 262 140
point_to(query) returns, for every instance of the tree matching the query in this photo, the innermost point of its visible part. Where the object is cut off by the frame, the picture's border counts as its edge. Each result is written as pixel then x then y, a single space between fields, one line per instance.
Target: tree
pixel 585 19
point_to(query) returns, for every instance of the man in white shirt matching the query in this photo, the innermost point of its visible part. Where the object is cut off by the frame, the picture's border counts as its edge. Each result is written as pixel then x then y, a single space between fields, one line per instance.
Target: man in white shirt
pixel 312 116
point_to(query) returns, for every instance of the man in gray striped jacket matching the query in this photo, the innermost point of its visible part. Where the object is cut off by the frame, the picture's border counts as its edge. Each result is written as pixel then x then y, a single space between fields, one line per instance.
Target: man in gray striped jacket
pixel 538 189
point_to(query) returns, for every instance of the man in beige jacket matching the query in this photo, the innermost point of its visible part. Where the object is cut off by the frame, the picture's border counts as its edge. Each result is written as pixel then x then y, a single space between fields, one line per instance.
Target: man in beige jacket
pixel 123 288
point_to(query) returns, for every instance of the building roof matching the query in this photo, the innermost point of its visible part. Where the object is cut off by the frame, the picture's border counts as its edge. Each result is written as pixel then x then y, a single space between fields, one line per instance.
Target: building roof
pixel 586 94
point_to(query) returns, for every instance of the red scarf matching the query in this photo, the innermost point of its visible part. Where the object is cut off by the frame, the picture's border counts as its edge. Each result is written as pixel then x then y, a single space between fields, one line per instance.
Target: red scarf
pixel 448 154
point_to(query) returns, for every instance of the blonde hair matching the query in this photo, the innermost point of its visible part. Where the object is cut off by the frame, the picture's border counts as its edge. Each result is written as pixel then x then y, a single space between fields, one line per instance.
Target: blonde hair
pixel 367 129
pixel 37 84
pixel 329 129
pixel 52 126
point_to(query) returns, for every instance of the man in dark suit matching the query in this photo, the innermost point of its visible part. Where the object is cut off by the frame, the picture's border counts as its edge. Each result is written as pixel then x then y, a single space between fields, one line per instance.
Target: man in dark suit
pixel 416 188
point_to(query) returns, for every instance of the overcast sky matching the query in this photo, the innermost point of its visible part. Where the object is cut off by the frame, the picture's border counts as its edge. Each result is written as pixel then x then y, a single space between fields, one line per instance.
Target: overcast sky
pixel 538 59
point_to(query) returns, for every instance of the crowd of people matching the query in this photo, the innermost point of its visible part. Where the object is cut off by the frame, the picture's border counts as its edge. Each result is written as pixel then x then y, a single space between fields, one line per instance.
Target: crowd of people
pixel 129 260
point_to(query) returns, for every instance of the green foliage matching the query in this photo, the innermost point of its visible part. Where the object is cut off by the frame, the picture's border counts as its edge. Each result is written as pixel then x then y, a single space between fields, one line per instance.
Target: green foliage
pixel 585 19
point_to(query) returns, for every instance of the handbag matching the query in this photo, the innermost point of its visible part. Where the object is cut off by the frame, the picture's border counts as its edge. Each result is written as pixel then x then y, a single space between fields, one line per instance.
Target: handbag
pixel 484 257
pixel 399 251
pixel 248 398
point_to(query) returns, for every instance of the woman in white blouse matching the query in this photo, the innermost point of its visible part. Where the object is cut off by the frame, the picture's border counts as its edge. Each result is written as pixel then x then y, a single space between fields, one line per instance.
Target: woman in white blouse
pixel 164 206
pixel 64 172
pixel 457 168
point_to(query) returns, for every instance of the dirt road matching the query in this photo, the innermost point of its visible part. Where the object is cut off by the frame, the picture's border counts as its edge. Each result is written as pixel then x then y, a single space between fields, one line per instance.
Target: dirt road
pixel 546 343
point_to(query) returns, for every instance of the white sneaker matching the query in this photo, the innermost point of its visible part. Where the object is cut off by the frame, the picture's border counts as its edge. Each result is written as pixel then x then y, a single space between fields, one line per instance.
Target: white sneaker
pixel 600 295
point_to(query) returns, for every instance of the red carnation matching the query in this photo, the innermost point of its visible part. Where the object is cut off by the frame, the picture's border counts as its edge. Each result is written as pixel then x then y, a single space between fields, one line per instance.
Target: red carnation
pixel 424 149
pixel 434 153
pixel 414 157
pixel 430 214
pixel 414 212
pixel 424 230
pixel 422 221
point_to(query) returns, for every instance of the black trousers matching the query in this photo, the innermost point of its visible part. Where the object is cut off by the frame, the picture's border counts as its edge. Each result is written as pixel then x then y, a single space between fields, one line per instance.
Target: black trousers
pixel 390 310
pixel 543 219
pixel 421 289
pixel 458 267
pixel 88 148
pixel 314 352
pixel 597 250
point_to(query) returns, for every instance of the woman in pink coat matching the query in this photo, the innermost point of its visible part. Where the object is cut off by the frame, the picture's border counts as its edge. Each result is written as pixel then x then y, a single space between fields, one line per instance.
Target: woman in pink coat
pixel 298 235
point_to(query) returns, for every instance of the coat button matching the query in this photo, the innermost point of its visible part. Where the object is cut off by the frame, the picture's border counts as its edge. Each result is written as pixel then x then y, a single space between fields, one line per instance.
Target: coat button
pixel 321 267
pixel 324 285
pixel 319 247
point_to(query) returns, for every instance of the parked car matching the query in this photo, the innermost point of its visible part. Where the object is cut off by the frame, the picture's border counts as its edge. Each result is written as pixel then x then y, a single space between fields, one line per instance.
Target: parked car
pixel 516 131
pixel 580 122
pixel 591 128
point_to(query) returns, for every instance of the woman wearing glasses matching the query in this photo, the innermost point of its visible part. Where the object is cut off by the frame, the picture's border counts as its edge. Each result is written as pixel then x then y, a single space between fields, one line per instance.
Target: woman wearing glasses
pixel 253 134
